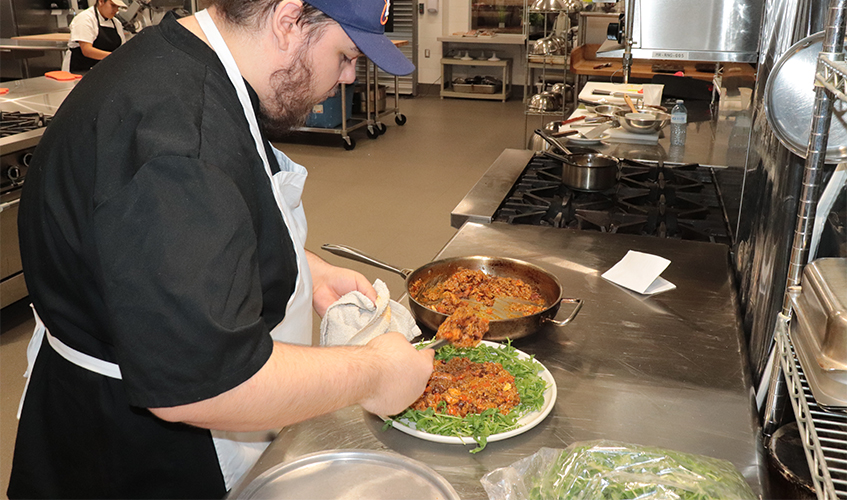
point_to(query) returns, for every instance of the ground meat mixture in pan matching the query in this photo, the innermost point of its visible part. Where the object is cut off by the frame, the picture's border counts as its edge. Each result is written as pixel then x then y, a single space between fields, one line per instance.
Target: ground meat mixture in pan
pixel 467 285
pixel 468 387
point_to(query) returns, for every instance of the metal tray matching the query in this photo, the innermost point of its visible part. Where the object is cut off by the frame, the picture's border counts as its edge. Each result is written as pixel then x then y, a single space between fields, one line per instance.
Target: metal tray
pixel 789 100
pixel 819 329
pixel 350 474
pixel 486 88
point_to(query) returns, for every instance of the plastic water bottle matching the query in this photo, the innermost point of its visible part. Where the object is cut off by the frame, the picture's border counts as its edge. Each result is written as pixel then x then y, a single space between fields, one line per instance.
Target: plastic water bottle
pixel 678 124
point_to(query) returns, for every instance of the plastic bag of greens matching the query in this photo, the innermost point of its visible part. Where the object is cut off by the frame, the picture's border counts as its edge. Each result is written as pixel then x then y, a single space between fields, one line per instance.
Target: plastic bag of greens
pixel 600 470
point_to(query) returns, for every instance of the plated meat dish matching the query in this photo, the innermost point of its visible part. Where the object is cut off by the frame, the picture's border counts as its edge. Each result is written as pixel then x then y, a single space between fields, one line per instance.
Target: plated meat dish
pixel 460 386
pixel 487 391
pixel 480 290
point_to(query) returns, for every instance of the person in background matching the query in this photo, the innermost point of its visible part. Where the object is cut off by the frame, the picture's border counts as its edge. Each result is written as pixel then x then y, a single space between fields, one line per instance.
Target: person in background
pixel 163 240
pixel 95 33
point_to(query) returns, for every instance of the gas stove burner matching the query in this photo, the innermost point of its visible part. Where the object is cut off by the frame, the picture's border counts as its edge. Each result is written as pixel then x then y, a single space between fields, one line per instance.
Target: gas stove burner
pixel 16 122
pixel 650 199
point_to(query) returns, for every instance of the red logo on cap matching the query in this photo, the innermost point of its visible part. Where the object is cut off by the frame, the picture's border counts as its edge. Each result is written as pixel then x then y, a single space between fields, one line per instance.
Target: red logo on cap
pixel 385 15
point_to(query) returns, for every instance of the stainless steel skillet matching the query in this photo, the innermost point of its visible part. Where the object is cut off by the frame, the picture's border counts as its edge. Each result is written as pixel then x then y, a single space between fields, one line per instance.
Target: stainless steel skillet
pixel 545 282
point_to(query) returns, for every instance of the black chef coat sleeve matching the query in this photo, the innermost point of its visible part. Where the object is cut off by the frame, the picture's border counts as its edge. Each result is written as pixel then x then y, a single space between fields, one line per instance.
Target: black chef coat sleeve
pixel 177 256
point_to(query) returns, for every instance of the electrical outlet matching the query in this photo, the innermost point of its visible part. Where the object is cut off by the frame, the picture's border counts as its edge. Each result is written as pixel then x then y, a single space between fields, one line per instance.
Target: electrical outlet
pixel 427 52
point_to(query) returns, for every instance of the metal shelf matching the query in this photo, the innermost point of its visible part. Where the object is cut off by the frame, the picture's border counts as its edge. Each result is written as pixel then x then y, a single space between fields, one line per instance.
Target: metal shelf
pixel 503 65
pixel 544 66
pixel 371 120
pixel 547 65
pixel 824 433
pixel 832 74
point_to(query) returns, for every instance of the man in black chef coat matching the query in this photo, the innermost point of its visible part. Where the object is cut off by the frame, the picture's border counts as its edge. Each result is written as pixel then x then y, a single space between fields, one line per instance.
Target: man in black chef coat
pixel 162 238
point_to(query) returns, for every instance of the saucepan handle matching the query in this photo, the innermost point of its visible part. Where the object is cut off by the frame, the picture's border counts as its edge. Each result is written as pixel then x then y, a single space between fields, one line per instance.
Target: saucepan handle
pixel 354 254
pixel 578 303
pixel 552 142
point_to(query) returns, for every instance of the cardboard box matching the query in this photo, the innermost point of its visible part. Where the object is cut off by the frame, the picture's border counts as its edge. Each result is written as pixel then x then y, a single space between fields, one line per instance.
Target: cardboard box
pixel 360 98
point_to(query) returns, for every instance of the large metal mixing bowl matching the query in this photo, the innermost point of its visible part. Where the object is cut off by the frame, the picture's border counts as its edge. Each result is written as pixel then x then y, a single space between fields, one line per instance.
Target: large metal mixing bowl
pixel 606 109
pixel 642 122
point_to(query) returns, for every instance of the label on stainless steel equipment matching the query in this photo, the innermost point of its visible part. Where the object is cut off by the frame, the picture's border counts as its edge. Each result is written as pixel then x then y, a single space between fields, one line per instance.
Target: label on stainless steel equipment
pixel 669 55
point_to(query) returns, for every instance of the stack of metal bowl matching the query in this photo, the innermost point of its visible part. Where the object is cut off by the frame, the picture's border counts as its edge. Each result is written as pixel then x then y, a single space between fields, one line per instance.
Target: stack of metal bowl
pixel 544 101
pixel 642 122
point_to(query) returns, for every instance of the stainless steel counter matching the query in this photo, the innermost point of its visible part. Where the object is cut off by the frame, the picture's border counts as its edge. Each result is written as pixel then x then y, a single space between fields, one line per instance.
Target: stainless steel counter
pixel 14 44
pixel 716 141
pixel 666 370
pixel 39 94
pixel 717 136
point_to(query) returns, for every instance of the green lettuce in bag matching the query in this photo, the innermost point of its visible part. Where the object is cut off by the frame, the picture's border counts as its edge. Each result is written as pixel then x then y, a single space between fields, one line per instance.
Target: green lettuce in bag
pixel 608 470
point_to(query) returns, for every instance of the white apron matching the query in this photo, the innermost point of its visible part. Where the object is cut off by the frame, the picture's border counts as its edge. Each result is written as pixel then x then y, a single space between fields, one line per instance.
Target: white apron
pixel 237 451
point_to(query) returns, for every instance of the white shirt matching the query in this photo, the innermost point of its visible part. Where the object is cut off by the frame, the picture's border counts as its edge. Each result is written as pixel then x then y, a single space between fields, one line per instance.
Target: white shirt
pixel 84 27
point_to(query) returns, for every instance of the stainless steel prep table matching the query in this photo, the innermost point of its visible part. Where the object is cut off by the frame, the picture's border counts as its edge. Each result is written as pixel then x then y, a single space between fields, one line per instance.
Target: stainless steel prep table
pixel 666 371
pixel 38 94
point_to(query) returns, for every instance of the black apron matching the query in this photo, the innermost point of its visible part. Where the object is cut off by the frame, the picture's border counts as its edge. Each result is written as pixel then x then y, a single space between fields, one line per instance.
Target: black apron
pixel 107 39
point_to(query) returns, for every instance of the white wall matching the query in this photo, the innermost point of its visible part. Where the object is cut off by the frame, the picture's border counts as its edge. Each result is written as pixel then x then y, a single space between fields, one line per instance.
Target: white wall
pixel 451 16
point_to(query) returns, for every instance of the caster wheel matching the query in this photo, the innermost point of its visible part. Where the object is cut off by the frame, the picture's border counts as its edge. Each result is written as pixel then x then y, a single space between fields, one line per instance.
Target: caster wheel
pixel 348 143
pixel 372 132
pixel 381 128
pixel 400 119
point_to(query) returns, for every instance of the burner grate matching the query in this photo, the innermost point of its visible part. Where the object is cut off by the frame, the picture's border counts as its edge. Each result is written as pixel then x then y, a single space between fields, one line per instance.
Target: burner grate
pixel 16 122
pixel 650 199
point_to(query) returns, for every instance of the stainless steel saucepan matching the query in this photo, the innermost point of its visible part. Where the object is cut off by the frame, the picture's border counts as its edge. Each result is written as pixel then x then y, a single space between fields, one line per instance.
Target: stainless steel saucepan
pixel 432 273
pixel 590 172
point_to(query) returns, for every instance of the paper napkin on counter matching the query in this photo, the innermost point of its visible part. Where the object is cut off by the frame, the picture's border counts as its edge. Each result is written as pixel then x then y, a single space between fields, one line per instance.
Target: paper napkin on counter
pixel 355 320
pixel 640 272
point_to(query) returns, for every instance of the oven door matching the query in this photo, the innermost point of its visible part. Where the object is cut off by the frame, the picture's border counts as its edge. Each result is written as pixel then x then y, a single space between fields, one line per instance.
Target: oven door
pixel 12 285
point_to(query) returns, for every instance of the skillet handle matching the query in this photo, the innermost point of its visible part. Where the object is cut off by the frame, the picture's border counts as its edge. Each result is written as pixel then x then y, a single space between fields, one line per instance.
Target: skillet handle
pixel 354 254
pixel 577 302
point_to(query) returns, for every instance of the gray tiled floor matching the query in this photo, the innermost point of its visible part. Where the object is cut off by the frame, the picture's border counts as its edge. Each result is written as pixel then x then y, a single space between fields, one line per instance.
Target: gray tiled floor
pixel 390 197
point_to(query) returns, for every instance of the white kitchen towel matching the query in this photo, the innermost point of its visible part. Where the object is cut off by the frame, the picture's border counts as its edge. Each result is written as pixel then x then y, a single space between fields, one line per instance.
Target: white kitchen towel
pixel 355 320
pixel 640 272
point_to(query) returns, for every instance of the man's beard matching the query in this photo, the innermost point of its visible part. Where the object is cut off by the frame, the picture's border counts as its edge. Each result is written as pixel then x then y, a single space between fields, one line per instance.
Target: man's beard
pixel 292 100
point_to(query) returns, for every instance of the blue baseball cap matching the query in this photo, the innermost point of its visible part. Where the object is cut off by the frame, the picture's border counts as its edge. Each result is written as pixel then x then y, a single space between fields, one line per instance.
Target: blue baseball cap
pixel 363 21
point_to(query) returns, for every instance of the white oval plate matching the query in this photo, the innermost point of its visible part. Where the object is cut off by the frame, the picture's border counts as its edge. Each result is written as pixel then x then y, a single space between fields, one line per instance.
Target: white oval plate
pixel 577 139
pixel 525 424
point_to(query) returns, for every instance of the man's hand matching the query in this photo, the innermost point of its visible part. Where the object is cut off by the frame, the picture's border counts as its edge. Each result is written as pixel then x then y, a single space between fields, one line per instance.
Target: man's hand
pixel 332 282
pixel 403 376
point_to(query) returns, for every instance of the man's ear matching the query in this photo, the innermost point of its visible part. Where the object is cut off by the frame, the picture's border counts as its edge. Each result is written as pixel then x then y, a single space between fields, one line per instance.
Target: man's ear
pixel 283 21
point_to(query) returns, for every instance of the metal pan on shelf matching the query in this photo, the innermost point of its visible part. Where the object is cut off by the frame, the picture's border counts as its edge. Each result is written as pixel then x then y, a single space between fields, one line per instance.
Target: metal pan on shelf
pixel 819 330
